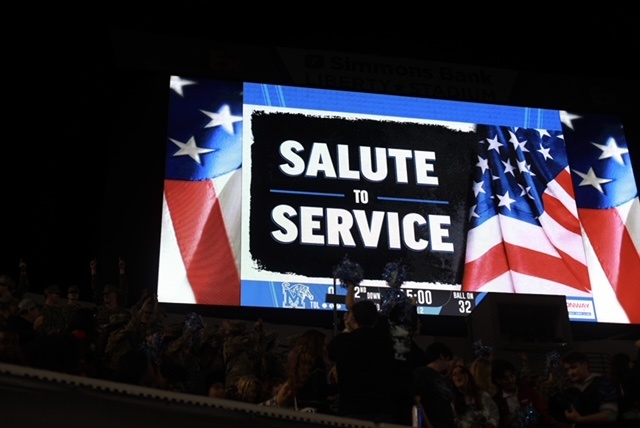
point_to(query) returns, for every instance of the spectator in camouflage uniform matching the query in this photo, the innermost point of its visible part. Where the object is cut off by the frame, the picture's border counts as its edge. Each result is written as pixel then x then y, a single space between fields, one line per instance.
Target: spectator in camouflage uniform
pixel 98 287
pixel 110 308
pixel 138 328
pixel 250 358
pixel 52 320
pixel 73 304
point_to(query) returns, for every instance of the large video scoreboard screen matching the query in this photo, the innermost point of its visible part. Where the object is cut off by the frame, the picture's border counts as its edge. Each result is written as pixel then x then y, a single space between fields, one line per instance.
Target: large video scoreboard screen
pixel 268 187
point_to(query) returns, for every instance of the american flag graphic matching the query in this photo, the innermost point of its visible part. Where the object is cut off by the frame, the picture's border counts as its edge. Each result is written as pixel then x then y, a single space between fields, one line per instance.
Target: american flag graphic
pixel 608 208
pixel 547 217
pixel 201 221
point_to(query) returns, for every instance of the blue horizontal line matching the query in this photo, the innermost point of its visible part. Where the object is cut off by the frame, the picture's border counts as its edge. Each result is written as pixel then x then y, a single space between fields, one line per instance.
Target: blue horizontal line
pixel 420 201
pixel 399 106
pixel 293 192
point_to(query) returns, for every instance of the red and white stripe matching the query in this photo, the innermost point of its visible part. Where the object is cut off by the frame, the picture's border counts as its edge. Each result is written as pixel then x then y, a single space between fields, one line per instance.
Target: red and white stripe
pixel 199 259
pixel 508 255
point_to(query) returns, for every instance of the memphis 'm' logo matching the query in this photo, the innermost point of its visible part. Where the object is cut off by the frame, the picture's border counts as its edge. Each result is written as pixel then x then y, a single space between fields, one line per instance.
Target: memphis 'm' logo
pixel 295 295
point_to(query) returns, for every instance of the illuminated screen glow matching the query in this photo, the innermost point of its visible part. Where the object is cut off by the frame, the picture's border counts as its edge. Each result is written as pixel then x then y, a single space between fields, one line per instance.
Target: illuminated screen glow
pixel 268 187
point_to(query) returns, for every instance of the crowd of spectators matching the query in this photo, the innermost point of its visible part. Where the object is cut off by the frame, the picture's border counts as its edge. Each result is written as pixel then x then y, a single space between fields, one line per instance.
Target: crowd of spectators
pixel 372 370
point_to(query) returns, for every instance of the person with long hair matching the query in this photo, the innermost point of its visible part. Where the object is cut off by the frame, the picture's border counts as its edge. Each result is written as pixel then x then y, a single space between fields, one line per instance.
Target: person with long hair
pixel 306 386
pixel 481 370
pixel 474 407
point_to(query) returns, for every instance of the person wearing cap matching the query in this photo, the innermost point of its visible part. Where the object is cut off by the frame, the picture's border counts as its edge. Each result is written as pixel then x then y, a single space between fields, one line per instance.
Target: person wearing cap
pixel 110 307
pixel 53 318
pixel 73 303
pixel 23 323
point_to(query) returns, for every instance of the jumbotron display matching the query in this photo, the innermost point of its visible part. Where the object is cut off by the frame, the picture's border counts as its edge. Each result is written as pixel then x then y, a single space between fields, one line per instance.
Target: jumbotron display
pixel 268 187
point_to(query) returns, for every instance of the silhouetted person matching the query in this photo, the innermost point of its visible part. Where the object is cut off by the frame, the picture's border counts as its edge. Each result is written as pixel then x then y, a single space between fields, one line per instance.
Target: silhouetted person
pixel 363 357
pixel 53 318
pixel 432 388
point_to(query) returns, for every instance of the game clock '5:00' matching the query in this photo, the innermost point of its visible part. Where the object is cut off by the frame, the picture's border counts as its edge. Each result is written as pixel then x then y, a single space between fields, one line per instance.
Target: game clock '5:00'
pixel 459 303
pixel 449 302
